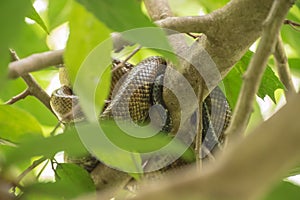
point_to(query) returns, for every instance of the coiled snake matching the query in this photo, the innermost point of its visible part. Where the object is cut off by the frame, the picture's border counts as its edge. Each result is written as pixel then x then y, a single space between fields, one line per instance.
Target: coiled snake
pixel 135 89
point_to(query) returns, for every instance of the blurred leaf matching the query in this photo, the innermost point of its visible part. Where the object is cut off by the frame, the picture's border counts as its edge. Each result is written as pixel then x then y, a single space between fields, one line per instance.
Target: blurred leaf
pixel 51 191
pixel 16 123
pixel 12 15
pixel 285 190
pixel 48 147
pixel 58 12
pixel 289 34
pixel 233 81
pixel 118 149
pixel 34 15
pixel 136 27
pixel 86 32
pixel 113 14
pixel 75 177
pixel 294 64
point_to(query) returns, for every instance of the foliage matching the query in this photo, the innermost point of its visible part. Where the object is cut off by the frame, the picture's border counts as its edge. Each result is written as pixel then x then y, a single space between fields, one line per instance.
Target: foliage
pixel 27 128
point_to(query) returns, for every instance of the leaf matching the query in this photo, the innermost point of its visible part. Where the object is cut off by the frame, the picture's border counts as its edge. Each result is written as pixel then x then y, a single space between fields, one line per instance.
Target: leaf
pixel 51 191
pixel 12 12
pixel 16 123
pixel 58 12
pixel 135 27
pixel 86 66
pixel 116 148
pixel 34 15
pixel 285 190
pixel 294 64
pixel 78 179
pixel 48 147
pixel 233 81
pixel 113 14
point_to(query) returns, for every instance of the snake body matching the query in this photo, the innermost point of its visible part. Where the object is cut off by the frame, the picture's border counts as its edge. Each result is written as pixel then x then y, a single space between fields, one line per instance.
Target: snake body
pixel 135 89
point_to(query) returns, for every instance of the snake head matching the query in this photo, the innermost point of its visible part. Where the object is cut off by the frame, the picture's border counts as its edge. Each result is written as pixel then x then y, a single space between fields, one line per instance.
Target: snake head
pixel 65 105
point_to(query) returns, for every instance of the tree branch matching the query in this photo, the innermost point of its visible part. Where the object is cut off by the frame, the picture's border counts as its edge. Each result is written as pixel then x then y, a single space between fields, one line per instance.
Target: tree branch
pixel 35 62
pixel 18 97
pixel 283 68
pixel 257 65
pixel 33 87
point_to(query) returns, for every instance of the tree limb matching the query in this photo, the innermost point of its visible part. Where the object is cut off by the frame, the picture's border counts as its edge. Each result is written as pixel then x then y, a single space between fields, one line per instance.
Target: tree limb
pixel 257 65
pixel 35 62
pixel 283 68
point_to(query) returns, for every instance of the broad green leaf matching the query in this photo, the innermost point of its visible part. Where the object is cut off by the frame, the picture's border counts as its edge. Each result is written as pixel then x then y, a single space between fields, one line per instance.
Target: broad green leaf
pixel 34 15
pixel 132 22
pixel 233 81
pixel 118 149
pixel 86 64
pixel 75 177
pixel 48 147
pixel 12 15
pixel 51 191
pixel 285 190
pixel 58 12
pixel 115 16
pixel 16 124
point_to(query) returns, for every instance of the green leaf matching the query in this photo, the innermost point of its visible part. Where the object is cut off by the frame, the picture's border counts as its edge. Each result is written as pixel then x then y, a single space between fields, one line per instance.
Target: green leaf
pixel 12 15
pixel 48 147
pixel 86 32
pixel 113 14
pixel 211 5
pixel 58 12
pixel 233 81
pixel 75 177
pixel 34 15
pixel 16 124
pixel 294 64
pixel 285 190
pixel 51 191
pixel 135 27
pixel 118 149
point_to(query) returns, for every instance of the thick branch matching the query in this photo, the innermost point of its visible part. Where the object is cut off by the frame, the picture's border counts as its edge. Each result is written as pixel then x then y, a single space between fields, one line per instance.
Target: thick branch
pixel 283 68
pixel 257 66
pixel 243 172
pixel 35 62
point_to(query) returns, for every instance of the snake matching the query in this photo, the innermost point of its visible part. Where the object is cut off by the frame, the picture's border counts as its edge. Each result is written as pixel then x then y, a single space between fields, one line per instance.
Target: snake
pixel 134 90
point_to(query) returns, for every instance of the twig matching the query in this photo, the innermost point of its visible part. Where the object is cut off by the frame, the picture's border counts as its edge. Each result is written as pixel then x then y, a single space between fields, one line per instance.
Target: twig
pixel 292 24
pixel 18 97
pixel 35 62
pixel 198 140
pixel 33 87
pixel 283 68
pixel 257 66
pixel 29 169
pixel 121 64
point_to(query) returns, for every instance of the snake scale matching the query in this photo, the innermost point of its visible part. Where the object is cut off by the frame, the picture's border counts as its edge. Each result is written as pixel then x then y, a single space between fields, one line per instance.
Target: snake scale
pixel 134 89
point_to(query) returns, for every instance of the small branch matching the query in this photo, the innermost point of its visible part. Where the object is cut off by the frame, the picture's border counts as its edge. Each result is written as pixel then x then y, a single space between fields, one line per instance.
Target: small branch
pixel 18 97
pixel 290 22
pixel 257 66
pixel 33 87
pixel 29 169
pixel 35 62
pixel 198 140
pixel 283 68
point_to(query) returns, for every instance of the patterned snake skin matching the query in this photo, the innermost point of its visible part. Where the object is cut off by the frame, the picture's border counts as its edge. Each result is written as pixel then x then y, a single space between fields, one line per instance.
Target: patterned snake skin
pixel 134 91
